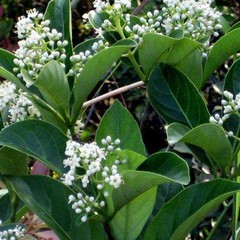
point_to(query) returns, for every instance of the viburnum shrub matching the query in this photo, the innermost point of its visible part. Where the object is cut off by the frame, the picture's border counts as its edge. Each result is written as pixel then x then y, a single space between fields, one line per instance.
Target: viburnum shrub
pixel 111 188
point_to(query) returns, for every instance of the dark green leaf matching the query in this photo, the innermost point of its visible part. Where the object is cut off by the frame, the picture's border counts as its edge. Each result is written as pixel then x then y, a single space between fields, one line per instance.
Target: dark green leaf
pixel 118 123
pixel 129 221
pixel 88 79
pixel 38 139
pixel 232 83
pixel 182 213
pixel 6 68
pixel 221 51
pixel 13 162
pixel 175 132
pixel 180 50
pixel 191 66
pixel 154 45
pixel 167 164
pixel 53 85
pixel 137 182
pixel 175 98
pixel 48 198
pixel 212 139
pixel 59 14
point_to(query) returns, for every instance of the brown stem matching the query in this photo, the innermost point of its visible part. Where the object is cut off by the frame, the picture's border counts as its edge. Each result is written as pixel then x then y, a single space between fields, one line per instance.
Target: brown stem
pixel 113 93
pixel 140 7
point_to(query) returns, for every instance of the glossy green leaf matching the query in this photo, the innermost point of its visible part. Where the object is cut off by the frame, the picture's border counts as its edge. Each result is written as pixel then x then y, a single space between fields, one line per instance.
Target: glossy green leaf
pixel 174 222
pixel 6 60
pixel 13 162
pixel 154 45
pixel 195 72
pixel 53 85
pixel 165 193
pixel 180 50
pixel 175 132
pixel 167 164
pixel 86 45
pixel 6 209
pixel 38 139
pixel 88 79
pixel 6 68
pixel 129 221
pixel 175 98
pixel 224 48
pixel 48 113
pixel 133 159
pixel 212 139
pixel 118 123
pixel 59 14
pixel 48 198
pixel 232 83
pixel 137 182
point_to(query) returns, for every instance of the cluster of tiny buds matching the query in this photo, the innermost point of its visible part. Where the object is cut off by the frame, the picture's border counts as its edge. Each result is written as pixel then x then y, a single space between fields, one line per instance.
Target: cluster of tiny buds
pixel 150 23
pixel 230 106
pixel 109 144
pixel 17 105
pixel 85 205
pixel 197 19
pixel 92 159
pixel 38 46
pixel 12 234
pixel 80 59
pixel 118 6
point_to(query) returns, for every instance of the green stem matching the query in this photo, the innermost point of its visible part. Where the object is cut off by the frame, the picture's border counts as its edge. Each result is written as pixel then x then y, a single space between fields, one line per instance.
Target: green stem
pixel 210 236
pixel 13 199
pixel 136 66
pixel 130 54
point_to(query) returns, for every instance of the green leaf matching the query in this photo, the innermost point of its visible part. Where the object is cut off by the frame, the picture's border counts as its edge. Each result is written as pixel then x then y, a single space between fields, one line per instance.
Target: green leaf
pixel 88 79
pixel 167 164
pixel 59 14
pixel 232 83
pixel 118 123
pixel 53 85
pixel 133 160
pixel 48 198
pixel 175 98
pixel 6 209
pixel 48 113
pixel 195 72
pixel 154 45
pixel 86 45
pixel 175 132
pixel 13 162
pixel 212 139
pixel 174 222
pixel 137 182
pixel 225 47
pixel 129 221
pixel 38 139
pixel 6 68
pixel 180 50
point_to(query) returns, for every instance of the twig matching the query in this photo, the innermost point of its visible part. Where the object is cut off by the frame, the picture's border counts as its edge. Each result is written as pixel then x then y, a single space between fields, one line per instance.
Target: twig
pixel 113 93
pixel 140 7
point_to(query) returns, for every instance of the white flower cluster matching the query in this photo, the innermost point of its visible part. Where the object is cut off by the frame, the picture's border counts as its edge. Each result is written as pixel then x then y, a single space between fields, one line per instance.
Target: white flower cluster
pixel 150 23
pixel 230 106
pixel 92 159
pixel 118 6
pixel 12 234
pixel 15 103
pixel 197 19
pixel 39 44
pixel 80 59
